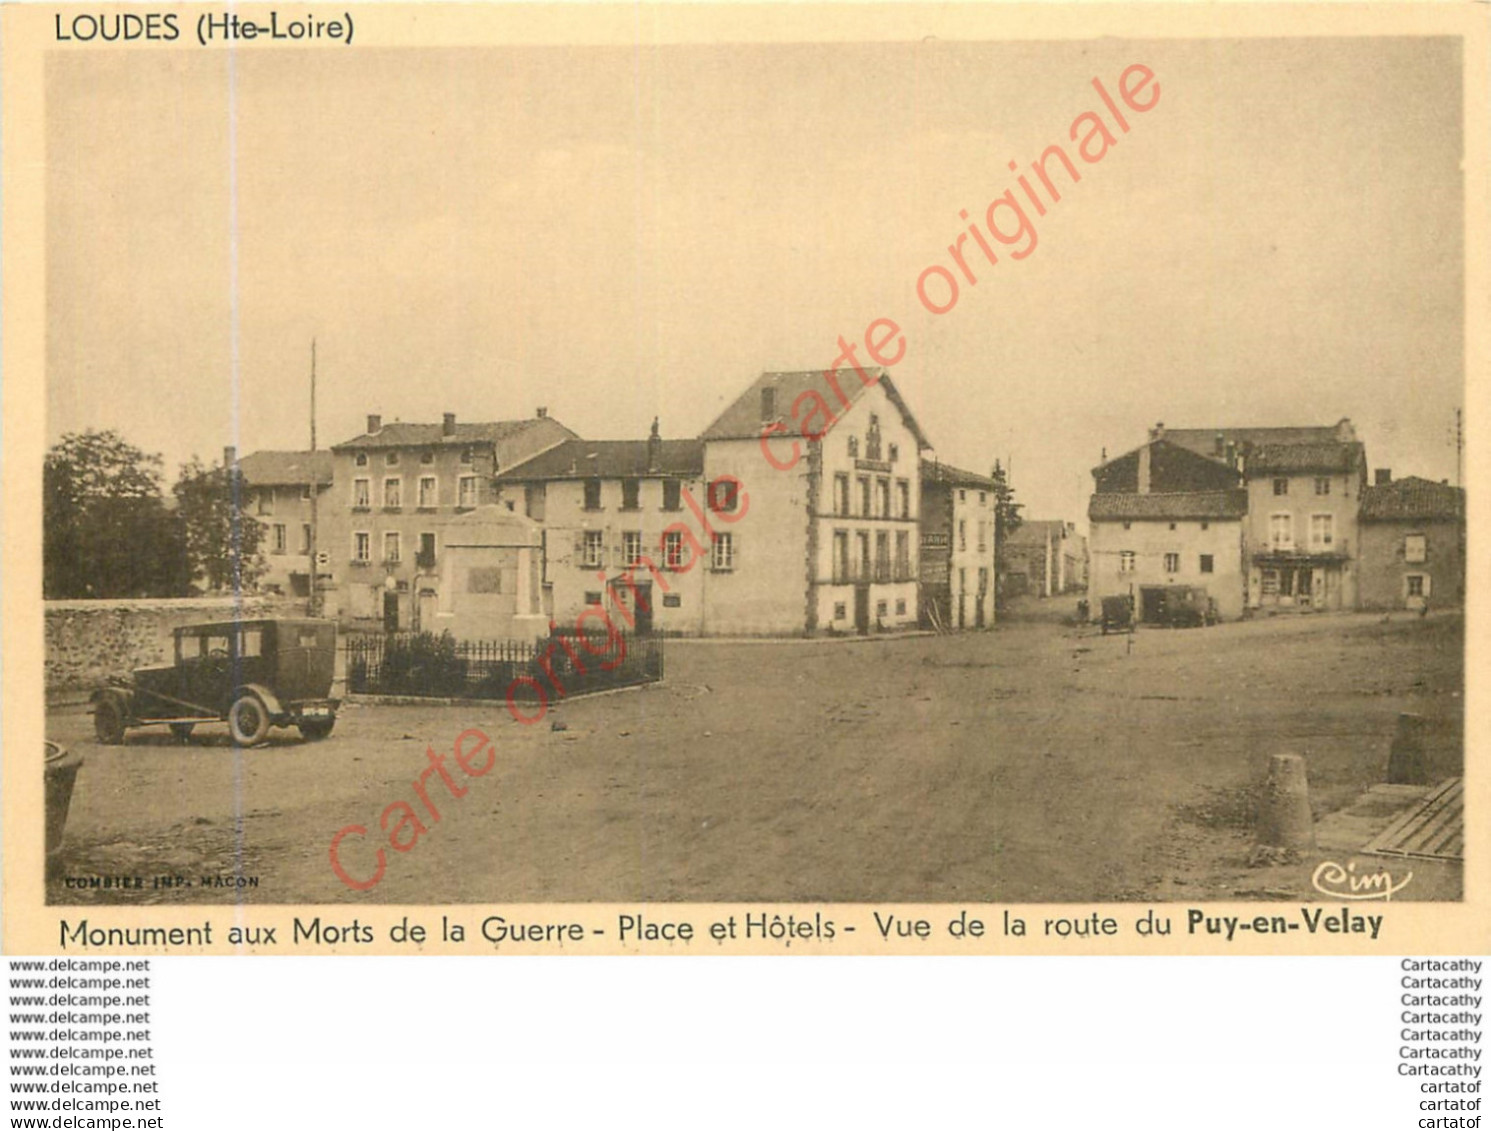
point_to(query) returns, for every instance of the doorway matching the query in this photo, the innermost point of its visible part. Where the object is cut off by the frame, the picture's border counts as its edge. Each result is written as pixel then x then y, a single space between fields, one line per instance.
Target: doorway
pixel 390 612
pixel 862 609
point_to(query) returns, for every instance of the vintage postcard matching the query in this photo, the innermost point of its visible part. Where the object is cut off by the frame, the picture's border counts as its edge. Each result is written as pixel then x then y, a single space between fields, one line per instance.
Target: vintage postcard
pixel 724 478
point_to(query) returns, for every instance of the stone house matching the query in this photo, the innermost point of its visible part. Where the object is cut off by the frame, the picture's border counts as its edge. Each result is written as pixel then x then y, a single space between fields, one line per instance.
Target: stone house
pixel 277 488
pixel 1412 544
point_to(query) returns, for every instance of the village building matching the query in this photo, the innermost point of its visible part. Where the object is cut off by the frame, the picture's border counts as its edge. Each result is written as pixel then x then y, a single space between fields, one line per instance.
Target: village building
pixel 276 494
pixel 623 529
pixel 1163 515
pixel 826 536
pixel 1303 496
pixel 397 488
pixel 1045 558
pixel 957 555
pixel 1412 544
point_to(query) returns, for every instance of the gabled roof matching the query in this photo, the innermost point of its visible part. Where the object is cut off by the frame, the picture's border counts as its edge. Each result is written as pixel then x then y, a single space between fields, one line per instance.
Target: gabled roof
pixel 399 434
pixel 742 420
pixel 610 459
pixel 935 471
pixel 1232 504
pixel 1286 459
pixel 286 469
pixel 1412 499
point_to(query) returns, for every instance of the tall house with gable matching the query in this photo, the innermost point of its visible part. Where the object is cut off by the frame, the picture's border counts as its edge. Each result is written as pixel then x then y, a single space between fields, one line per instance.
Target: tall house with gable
pixel 825 538
pixel 277 488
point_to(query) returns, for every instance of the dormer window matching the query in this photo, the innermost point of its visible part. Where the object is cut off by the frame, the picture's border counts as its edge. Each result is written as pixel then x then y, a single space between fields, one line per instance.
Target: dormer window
pixel 362 459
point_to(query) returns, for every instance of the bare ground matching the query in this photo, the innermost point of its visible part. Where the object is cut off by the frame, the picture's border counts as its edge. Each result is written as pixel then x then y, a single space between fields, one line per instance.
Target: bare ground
pixel 1036 762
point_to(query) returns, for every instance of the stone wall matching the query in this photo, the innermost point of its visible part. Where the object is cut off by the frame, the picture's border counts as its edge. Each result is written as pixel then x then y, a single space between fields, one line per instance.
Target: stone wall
pixel 88 641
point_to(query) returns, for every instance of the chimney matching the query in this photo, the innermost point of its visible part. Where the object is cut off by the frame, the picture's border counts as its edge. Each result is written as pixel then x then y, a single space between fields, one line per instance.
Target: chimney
pixel 1158 431
pixel 230 456
pixel 1232 455
pixel 1143 486
pixel 1383 476
pixel 449 427
pixel 543 411
pixel 1220 447
pixel 654 448
pixel 375 424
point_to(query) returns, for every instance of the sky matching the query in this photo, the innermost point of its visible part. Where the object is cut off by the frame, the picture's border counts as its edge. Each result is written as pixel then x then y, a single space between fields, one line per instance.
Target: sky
pixel 618 233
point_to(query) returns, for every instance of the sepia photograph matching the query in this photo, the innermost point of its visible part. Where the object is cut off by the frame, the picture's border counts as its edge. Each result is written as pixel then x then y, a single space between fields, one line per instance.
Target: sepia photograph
pixel 885 470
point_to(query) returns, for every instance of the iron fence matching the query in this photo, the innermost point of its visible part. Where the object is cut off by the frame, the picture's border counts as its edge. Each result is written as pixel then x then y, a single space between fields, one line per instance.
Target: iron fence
pixel 563 664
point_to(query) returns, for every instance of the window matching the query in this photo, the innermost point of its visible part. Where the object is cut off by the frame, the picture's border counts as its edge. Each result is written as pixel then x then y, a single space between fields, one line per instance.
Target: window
pixel 962 496
pixel 305 492
pixel 1270 582
pixel 631 547
pixel 1415 584
pixel 864 496
pixel 893 452
pixel 673 549
pixel 305 537
pixel 880 608
pixel 983 536
pixel 1172 526
pixel 393 492
pixel 901 607
pixel 429 493
pixel 983 580
pixel 391 546
pixel 1286 583
pixel 841 494
pixel 1281 486
pixel 362 459
pixel 872 439
pixel 1125 561
pixel 1415 548
pixel 362 546
pixel 631 494
pixel 1281 531
pixel 672 495
pixel 1206 526
pixel 1323 485
pixel 466 454
pixel 1127 525
pixel 250 643
pixel 983 498
pixel 1172 563
pixel 841 557
pixel 466 493
pixel 592 597
pixel 862 555
pixel 723 495
pixel 362 492
pixel 841 610
pixel 592 494
pixel 903 556
pixel 426 559
pixel 391 459
pixel 266 501
pixel 882 556
pixel 724 552
pixel 1208 564
pixel 882 498
pixel 854 447
pixel 279 538
pixel 962 534
pixel 427 457
pixel 594 554
pixel 1322 530
pixel 903 498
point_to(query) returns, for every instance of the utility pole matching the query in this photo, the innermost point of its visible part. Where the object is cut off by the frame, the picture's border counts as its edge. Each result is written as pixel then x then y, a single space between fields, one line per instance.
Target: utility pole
pixel 313 606
pixel 1459 450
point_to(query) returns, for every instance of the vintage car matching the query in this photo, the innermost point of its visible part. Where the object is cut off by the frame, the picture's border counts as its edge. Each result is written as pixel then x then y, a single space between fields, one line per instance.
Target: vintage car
pixel 1179 606
pixel 253 674
pixel 1118 614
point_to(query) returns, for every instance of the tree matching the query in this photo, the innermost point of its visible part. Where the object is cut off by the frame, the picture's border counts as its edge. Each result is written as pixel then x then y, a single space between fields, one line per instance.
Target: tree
pixel 1006 521
pixel 106 531
pixel 222 544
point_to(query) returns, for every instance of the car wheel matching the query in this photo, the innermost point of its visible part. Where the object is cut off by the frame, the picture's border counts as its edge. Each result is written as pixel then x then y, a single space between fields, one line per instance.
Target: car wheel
pixel 248 721
pixel 315 730
pixel 183 731
pixel 108 722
